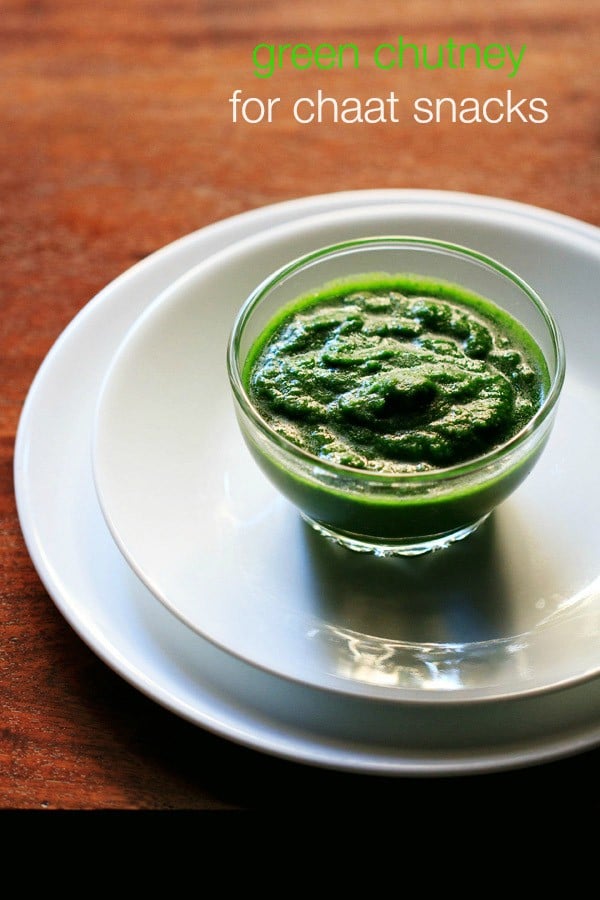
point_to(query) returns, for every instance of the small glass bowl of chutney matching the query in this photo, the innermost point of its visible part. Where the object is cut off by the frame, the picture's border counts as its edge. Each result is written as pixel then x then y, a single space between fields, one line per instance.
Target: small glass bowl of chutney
pixel 395 389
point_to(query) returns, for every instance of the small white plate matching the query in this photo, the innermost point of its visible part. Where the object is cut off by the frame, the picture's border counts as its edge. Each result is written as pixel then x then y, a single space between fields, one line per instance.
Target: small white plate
pixel 513 610
pixel 97 593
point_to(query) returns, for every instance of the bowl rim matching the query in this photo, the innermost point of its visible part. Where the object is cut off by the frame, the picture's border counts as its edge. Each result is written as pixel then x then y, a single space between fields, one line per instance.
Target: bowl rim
pixel 415 478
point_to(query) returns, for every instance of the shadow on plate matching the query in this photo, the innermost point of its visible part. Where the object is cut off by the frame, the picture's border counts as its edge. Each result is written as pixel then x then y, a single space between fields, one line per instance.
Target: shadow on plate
pixel 434 620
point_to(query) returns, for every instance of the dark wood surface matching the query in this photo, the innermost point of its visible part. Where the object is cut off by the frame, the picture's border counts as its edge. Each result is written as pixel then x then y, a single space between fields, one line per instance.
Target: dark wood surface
pixel 116 138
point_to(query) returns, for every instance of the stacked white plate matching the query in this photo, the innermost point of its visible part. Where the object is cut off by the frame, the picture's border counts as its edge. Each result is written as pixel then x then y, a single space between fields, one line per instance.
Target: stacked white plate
pixel 167 551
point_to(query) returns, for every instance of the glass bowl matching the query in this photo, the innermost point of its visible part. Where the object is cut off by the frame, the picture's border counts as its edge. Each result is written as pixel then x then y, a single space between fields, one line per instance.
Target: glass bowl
pixel 406 512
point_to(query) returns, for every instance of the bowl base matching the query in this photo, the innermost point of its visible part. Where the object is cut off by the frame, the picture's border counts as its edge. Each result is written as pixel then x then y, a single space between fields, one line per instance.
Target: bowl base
pixel 390 547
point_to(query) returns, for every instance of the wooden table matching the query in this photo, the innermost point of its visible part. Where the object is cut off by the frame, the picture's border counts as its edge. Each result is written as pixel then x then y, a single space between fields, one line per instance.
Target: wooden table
pixel 116 139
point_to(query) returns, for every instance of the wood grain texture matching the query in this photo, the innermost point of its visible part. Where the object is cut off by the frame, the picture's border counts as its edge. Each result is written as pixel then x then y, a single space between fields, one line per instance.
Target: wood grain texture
pixel 116 138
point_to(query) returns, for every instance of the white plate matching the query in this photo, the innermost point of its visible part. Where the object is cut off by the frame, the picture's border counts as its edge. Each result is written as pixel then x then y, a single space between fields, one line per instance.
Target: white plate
pixel 515 609
pixel 121 621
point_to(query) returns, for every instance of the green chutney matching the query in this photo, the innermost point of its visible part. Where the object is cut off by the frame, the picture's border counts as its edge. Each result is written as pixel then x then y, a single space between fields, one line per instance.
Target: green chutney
pixel 395 374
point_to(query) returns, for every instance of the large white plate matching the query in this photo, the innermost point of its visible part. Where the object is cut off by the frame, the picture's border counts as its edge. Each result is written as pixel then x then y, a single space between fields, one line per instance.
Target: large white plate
pixel 515 609
pixel 122 622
